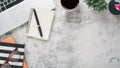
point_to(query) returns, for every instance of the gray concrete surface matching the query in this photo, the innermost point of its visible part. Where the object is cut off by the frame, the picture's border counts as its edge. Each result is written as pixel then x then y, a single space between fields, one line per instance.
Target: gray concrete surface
pixel 85 39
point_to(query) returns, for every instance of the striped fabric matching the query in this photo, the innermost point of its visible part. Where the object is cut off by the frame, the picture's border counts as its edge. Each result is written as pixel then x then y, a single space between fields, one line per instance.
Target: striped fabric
pixel 6 49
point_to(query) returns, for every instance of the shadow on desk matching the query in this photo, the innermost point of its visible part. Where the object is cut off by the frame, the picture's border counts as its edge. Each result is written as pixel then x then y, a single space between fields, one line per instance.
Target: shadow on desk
pixel 73 17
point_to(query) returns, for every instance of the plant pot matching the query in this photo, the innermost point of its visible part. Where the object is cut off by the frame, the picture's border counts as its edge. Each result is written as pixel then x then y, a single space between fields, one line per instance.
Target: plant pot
pixel 112 8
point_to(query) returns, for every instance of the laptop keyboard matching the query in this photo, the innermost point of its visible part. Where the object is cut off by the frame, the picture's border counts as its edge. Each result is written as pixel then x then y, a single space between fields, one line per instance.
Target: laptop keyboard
pixel 6 4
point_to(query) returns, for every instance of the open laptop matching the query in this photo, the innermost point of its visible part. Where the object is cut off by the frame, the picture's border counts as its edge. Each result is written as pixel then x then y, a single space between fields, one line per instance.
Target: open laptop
pixel 13 13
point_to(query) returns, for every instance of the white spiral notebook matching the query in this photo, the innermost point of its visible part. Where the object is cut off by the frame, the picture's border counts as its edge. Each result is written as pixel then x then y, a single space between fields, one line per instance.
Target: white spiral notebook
pixel 45 17
pixel 49 4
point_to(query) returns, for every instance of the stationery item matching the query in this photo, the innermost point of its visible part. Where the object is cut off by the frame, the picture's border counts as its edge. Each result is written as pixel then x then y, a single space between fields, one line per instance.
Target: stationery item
pixel 11 54
pixel 10 39
pixel 25 65
pixel 45 17
pixel 38 23
pixel 48 4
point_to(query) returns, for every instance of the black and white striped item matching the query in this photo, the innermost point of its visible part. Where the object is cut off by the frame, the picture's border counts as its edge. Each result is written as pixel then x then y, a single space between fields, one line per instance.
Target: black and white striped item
pixel 6 49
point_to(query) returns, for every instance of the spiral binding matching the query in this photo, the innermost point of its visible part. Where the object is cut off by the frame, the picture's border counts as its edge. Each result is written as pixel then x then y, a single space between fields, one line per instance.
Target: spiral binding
pixel 29 20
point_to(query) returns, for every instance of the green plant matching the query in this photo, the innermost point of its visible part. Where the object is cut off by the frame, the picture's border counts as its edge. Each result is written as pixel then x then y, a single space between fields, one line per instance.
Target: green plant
pixel 98 5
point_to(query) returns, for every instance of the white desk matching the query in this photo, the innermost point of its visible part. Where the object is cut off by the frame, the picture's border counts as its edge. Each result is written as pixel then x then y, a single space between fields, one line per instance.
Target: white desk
pixel 86 39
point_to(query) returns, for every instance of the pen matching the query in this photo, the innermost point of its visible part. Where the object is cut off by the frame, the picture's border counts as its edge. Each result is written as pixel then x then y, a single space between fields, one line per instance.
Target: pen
pixel 38 24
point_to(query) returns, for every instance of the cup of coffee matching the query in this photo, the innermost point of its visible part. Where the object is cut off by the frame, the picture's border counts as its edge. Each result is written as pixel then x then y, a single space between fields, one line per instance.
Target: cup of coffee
pixel 70 5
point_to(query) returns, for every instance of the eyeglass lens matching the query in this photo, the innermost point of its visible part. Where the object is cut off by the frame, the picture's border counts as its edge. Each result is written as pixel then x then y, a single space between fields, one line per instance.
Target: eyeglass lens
pixel 6 65
pixel 13 57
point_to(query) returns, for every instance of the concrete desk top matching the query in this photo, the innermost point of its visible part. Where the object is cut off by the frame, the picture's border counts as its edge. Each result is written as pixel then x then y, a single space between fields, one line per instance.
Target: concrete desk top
pixel 81 39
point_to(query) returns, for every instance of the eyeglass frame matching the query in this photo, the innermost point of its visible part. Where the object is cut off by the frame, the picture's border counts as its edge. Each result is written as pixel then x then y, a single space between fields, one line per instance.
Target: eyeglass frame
pixel 9 57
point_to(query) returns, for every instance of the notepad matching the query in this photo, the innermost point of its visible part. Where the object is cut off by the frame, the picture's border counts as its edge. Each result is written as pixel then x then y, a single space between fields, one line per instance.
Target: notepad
pixel 45 17
pixel 49 4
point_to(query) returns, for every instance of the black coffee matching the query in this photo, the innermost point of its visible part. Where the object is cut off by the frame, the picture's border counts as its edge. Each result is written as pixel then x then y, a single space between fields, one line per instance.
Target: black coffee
pixel 69 4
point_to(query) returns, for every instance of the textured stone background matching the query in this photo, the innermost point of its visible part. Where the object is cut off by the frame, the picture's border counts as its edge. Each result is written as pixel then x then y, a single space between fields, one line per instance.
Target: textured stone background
pixel 81 39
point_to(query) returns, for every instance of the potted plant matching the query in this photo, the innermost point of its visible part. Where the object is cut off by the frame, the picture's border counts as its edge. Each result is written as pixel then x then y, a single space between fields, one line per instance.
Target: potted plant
pixel 114 7
pixel 98 5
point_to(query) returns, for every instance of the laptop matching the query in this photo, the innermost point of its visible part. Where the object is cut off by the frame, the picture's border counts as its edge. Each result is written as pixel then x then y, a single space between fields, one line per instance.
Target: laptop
pixel 13 13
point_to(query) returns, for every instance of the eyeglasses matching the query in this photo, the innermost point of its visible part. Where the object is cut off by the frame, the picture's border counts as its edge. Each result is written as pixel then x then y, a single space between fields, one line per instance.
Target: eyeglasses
pixel 14 56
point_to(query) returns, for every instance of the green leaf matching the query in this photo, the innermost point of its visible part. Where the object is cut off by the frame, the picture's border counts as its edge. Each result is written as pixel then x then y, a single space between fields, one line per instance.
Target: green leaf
pixel 98 5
